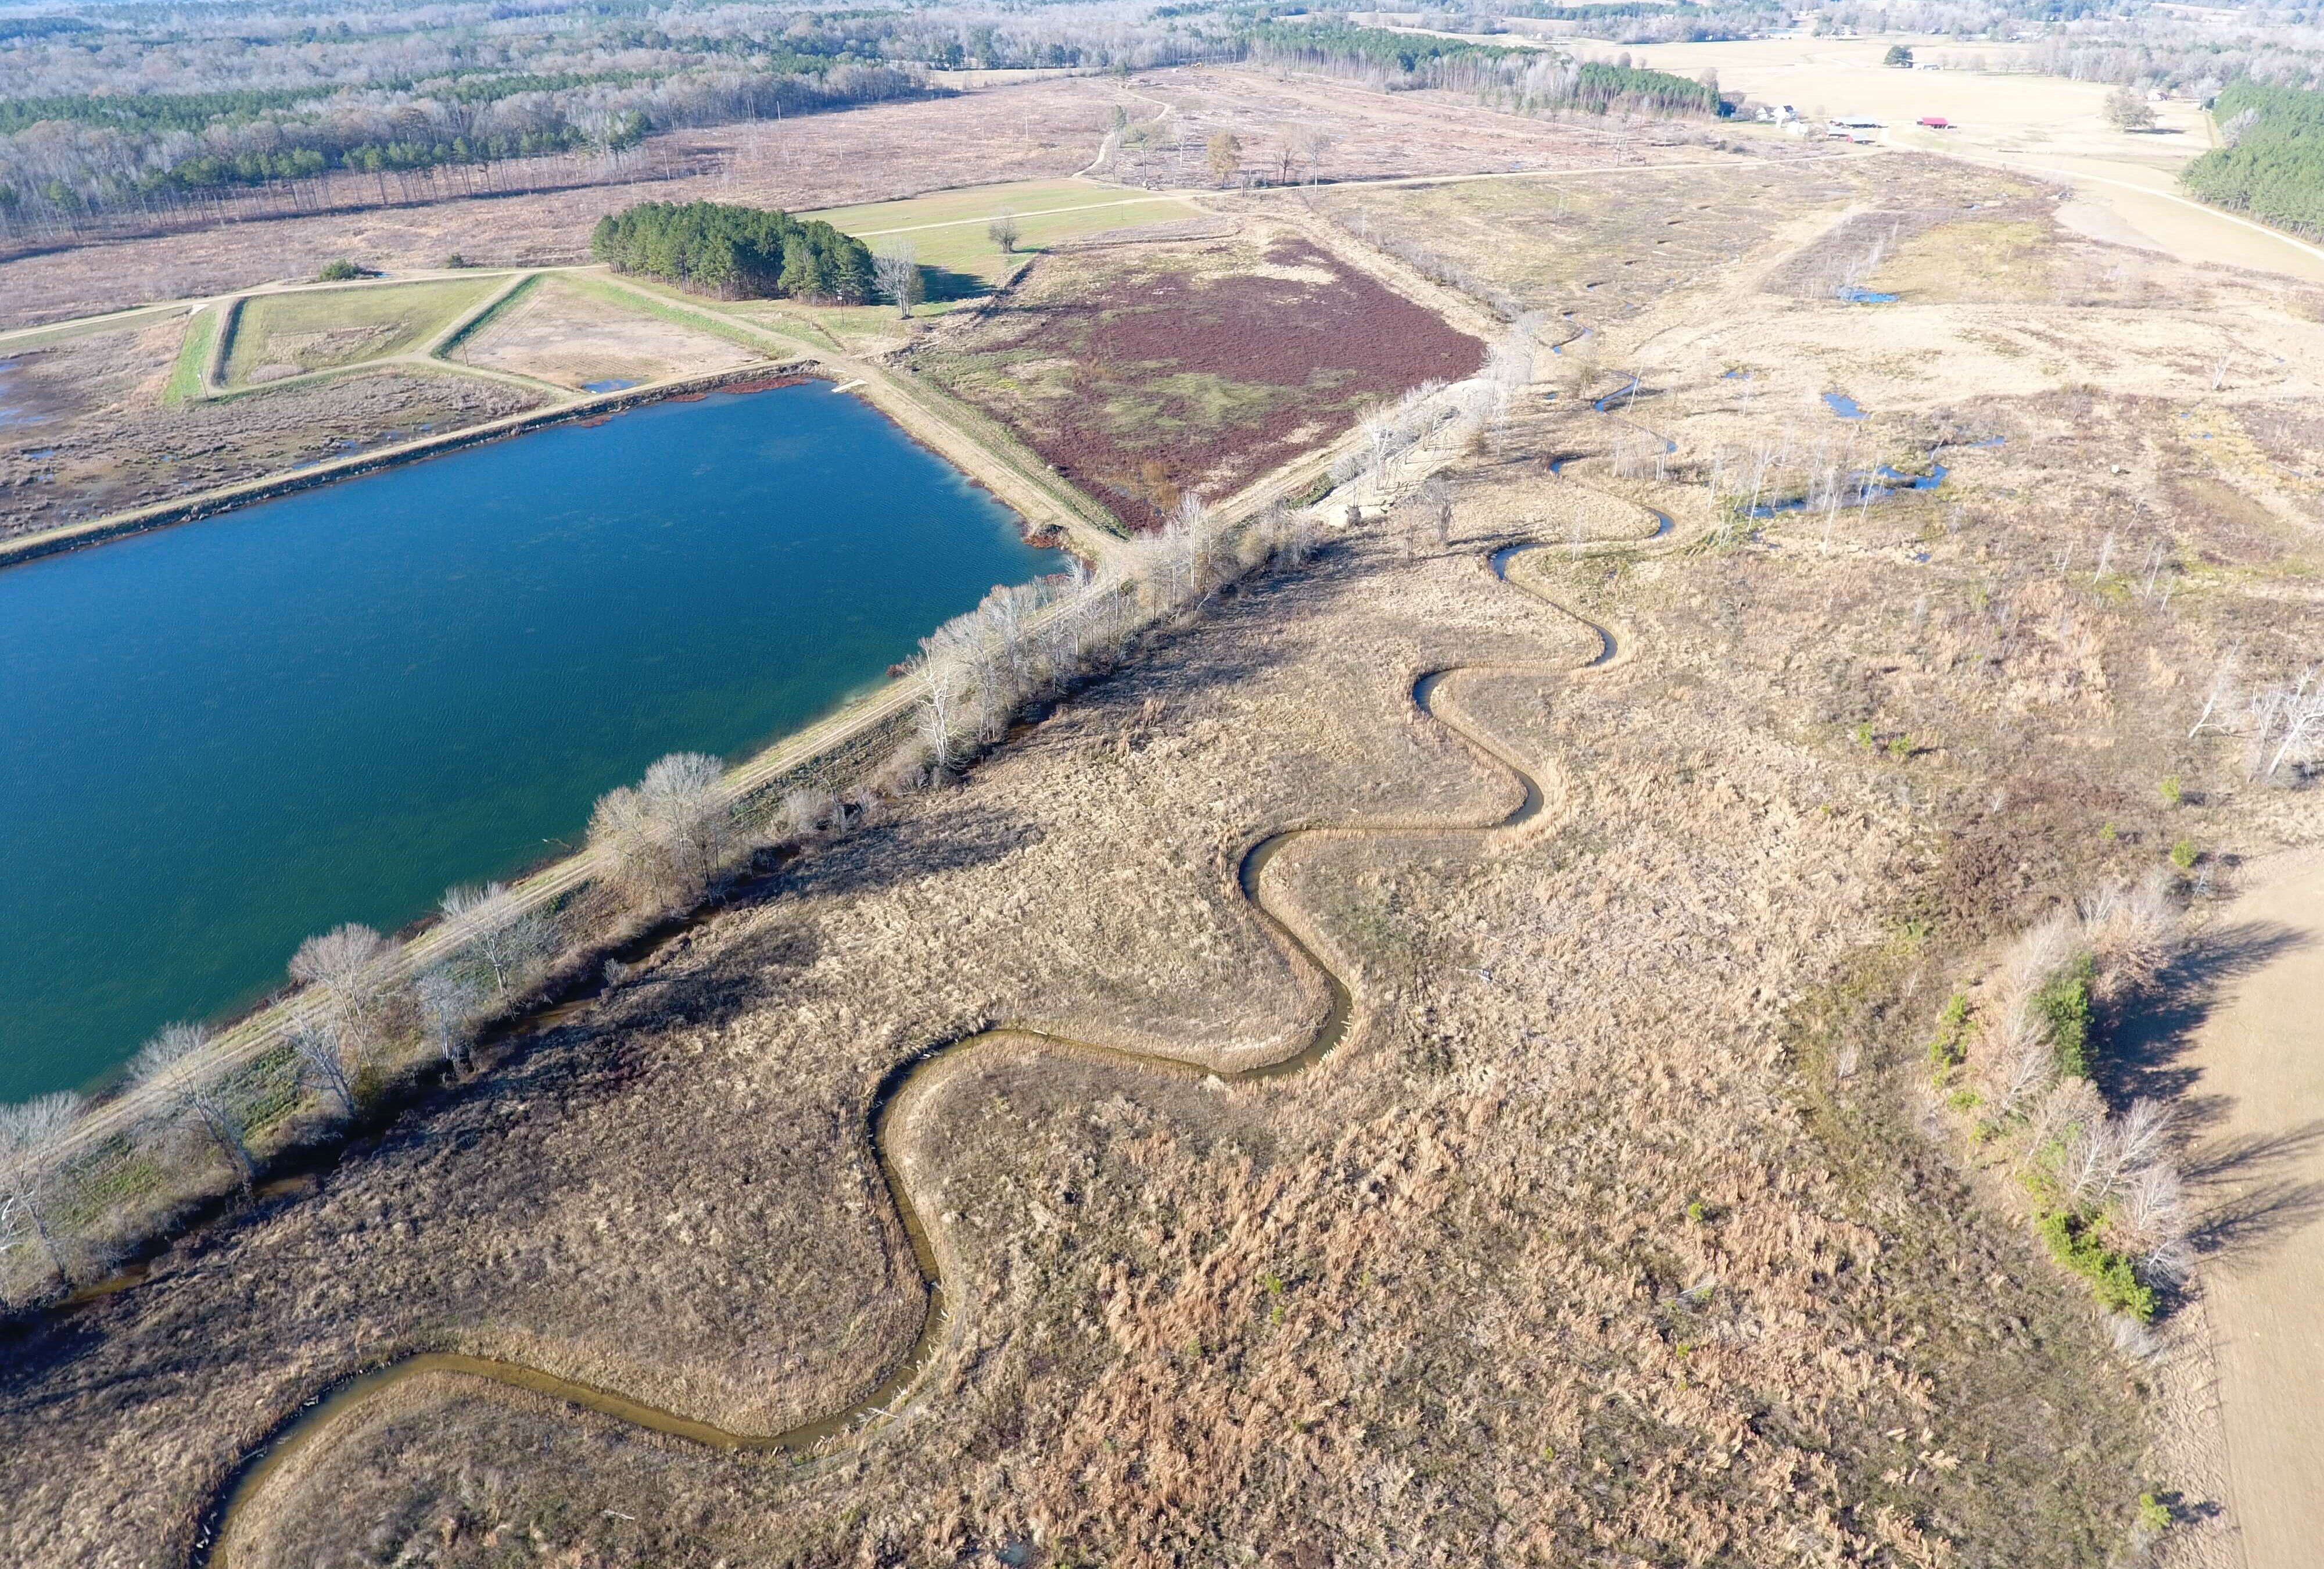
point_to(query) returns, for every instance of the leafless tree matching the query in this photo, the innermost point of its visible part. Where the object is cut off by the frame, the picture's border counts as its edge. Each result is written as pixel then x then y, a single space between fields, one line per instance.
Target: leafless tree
pixel 1432 513
pixel 506 938
pixel 804 811
pixel 942 683
pixel 1003 231
pixel 447 1008
pixel 170 1069
pixel 2149 1222
pixel 2134 929
pixel 896 266
pixel 667 838
pixel 31 1136
pixel 347 966
pixel 328 1058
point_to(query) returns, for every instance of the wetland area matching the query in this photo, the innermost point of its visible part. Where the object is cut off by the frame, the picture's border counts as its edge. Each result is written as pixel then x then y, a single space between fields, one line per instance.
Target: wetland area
pixel 328 707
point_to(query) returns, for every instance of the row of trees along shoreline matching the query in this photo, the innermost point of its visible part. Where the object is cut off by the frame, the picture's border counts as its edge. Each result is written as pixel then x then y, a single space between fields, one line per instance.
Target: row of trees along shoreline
pixel 367 1028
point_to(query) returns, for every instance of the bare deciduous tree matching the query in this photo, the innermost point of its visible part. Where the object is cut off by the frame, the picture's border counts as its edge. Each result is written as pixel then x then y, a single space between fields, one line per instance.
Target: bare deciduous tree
pixel 896 266
pixel 31 1136
pixel 507 938
pixel 447 1009
pixel 666 838
pixel 170 1068
pixel 348 967
pixel 330 1058
pixel 805 810
pixel 1004 232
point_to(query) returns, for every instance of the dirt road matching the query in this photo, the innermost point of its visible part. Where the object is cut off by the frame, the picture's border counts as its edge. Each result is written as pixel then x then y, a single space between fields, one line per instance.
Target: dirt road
pixel 2258 1059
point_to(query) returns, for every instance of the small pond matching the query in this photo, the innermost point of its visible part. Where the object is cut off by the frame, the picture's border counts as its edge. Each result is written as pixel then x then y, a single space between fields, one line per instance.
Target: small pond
pixel 225 736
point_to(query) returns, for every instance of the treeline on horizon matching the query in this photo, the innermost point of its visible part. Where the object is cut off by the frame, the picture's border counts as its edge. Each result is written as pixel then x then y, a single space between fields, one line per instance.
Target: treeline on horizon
pixel 141 110
pixel 736 252
pixel 2273 167
pixel 1524 81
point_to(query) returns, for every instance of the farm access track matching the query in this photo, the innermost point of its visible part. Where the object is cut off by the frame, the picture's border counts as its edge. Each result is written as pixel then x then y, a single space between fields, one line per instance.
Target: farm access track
pixel 813 1440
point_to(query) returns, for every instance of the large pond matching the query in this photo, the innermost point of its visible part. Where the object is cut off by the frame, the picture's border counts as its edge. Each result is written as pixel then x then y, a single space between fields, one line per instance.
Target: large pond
pixel 216 739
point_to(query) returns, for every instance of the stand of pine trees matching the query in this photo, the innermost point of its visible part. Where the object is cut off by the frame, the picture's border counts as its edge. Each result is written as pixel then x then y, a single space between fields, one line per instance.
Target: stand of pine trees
pixel 736 252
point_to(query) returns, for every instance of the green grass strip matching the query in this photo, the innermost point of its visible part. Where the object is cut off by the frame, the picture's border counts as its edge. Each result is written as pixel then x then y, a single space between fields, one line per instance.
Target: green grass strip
pixel 185 381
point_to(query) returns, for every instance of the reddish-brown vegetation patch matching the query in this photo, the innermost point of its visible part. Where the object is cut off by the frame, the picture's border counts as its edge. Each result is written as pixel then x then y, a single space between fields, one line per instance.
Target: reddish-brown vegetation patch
pixel 1144 373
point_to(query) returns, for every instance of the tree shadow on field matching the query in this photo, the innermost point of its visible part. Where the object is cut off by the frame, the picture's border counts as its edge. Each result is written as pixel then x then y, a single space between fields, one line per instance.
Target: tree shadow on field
pixel 2147 1049
pixel 966 833
pixel 2250 1196
pixel 942 285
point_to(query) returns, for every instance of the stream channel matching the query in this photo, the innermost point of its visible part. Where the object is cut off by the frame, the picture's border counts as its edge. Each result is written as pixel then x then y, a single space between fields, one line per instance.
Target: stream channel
pixel 225 736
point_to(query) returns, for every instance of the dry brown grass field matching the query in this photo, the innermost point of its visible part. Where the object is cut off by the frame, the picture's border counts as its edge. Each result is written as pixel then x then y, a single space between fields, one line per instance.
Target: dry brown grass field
pixel 561 332
pixel 867 155
pixel 100 435
pixel 1622 1228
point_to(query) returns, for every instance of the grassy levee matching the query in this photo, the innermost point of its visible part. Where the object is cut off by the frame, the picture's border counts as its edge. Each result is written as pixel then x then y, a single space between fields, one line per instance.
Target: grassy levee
pixel 565 406
pixel 303 331
pixel 964 435
pixel 473 321
pixel 186 376
pixel 212 380
pixel 86 326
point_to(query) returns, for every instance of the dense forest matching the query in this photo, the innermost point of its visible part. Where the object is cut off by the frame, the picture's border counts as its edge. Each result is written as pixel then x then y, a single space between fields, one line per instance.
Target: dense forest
pixel 2272 166
pixel 1525 81
pixel 736 252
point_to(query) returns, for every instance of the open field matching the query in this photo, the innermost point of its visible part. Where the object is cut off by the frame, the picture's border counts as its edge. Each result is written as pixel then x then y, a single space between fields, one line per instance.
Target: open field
pixel 1048 128
pixel 279 336
pixel 1144 371
pixel 557 331
pixel 101 437
pixel 2125 182
pixel 948 231
pixel 1625 1224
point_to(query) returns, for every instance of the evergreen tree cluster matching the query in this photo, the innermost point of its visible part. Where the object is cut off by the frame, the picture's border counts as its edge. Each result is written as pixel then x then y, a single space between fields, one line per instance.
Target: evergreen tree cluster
pixel 2274 169
pixel 736 252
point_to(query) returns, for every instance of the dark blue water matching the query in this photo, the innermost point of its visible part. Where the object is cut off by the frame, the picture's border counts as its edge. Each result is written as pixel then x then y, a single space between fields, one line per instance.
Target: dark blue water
pixel 1843 405
pixel 222 737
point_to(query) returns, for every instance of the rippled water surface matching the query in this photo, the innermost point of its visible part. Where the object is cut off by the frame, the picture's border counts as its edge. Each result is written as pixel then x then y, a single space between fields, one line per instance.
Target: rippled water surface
pixel 221 737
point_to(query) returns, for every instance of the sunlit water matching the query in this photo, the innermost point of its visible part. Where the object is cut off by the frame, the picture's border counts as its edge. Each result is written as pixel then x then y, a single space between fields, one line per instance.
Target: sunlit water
pixel 219 738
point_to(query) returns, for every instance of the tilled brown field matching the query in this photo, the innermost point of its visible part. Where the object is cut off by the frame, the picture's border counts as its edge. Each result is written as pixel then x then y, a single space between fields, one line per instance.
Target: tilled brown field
pixel 1145 371
pixel 95 437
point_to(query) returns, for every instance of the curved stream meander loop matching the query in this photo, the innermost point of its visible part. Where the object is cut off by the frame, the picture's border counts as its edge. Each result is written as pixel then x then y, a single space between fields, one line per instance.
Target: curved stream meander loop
pixel 312 1420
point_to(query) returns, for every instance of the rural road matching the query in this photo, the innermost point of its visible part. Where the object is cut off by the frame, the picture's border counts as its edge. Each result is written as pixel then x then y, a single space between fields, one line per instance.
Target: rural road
pixel 2258 1058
